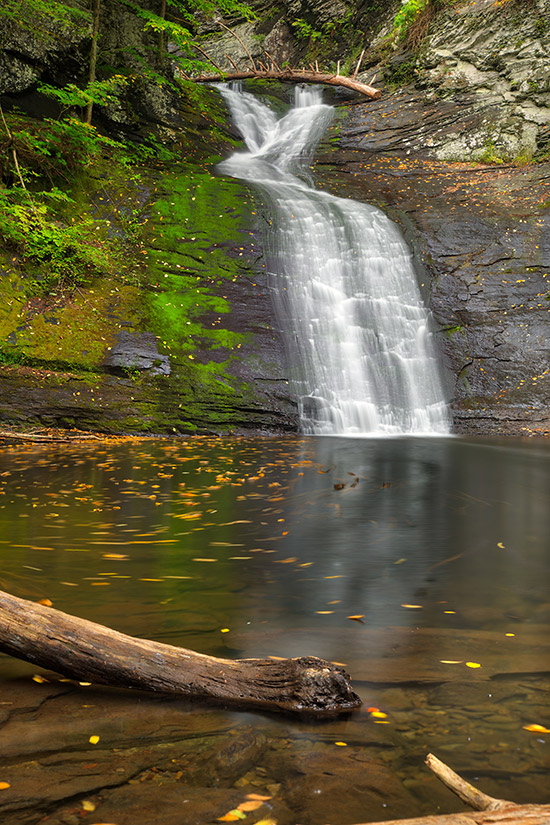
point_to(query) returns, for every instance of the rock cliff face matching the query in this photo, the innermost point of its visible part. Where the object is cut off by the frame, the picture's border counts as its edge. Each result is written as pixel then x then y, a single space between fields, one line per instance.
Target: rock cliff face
pixel 450 157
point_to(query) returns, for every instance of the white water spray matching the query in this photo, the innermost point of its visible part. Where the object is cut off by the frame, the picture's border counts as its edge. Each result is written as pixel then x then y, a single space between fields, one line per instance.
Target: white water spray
pixel 362 357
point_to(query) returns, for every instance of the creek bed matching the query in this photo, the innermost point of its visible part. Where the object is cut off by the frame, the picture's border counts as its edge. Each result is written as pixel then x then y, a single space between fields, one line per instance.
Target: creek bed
pixel 437 549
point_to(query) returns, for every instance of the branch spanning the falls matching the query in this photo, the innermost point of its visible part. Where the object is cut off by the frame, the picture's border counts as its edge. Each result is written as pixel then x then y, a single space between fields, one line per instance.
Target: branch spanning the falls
pixel 81 649
pixel 294 76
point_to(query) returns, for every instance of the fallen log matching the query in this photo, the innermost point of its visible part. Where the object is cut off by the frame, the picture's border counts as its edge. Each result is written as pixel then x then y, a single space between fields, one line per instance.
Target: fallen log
pixel 488 809
pixel 86 651
pixel 294 76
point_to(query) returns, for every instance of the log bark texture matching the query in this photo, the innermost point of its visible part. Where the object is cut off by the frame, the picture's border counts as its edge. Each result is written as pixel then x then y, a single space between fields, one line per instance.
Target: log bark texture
pixel 295 76
pixel 83 650
pixel 489 810
pixel 511 815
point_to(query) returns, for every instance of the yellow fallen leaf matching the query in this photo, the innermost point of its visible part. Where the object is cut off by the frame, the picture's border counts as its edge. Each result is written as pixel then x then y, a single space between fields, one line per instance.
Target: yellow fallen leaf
pixel 324 612
pixel 269 820
pixel 358 618
pixel 341 744
pixel 224 630
pixel 451 661
pixel 4 786
pixel 232 816
pixel 536 728
pixel 250 805
pixel 473 664
pixel 378 714
pixel 45 602
pixel 88 805
pixel 39 679
pixel 412 606
pixel 93 740
pixel 500 544
pixel 257 796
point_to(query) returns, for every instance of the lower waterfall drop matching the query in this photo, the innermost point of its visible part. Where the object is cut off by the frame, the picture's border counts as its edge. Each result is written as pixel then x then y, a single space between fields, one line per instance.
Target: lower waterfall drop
pixel 362 355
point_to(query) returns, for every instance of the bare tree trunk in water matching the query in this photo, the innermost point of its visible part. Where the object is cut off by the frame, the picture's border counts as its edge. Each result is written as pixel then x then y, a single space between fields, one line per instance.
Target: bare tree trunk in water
pixel 87 651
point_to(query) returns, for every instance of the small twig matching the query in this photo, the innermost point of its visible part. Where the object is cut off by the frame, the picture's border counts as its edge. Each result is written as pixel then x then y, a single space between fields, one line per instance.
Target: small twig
pixel 338 69
pixel 232 63
pixel 210 60
pixel 477 800
pixel 276 65
pixel 16 162
pixel 354 75
pixel 316 65
pixel 236 36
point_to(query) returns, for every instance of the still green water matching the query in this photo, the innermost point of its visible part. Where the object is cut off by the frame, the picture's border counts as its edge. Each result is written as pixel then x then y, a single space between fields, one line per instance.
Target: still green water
pixel 258 547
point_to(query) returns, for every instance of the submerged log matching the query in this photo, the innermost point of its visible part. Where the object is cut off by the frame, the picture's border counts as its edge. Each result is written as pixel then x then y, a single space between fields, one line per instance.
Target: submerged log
pixel 295 76
pixel 488 810
pixel 83 650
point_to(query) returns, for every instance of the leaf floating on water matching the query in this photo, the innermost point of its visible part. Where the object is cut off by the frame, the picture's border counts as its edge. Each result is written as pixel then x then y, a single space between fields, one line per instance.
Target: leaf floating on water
pixel 378 714
pixel 39 679
pixel 451 661
pixel 232 816
pixel 224 630
pixel 359 618
pixel 413 606
pixel 93 740
pixel 473 664
pixel 250 805
pixel 536 728
pixel 258 796
pixel 500 544
pixel 339 486
pixel 4 786
pixel 88 805
pixel 268 821
pixel 45 602
pixel 400 561
pixel 341 744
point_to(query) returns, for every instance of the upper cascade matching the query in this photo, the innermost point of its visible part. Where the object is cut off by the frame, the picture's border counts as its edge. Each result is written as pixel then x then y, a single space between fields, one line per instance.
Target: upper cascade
pixel 361 351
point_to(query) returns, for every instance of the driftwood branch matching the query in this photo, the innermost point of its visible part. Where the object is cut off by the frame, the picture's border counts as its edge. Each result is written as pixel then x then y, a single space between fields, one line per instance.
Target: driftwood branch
pixel 468 793
pixel 489 811
pixel 236 36
pixel 296 76
pixel 86 651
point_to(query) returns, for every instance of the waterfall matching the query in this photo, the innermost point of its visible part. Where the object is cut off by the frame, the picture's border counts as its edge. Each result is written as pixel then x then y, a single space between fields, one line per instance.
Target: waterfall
pixel 360 348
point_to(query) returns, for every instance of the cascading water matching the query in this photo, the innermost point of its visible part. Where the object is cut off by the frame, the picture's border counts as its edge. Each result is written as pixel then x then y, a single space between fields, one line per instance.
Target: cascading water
pixel 358 332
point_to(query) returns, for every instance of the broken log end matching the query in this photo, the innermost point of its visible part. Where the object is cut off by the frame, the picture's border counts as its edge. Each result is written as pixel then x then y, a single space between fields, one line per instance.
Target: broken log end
pixel 322 688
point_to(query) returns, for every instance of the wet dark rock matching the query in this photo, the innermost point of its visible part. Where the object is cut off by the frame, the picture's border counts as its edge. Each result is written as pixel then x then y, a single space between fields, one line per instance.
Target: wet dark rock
pixel 324 776
pixel 137 351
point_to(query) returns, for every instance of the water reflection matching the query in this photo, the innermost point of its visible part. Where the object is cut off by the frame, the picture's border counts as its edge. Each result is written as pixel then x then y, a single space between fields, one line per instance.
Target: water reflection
pixel 441 545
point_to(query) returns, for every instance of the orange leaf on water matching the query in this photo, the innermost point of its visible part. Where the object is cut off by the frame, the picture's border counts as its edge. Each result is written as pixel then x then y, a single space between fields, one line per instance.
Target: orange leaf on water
pixel 45 602
pixel 250 805
pixel 4 786
pixel 536 728
pixel 358 618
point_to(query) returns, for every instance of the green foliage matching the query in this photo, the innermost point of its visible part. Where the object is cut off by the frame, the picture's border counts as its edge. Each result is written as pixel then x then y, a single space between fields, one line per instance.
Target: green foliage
pixel 305 31
pixel 100 92
pixel 47 17
pixel 405 17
